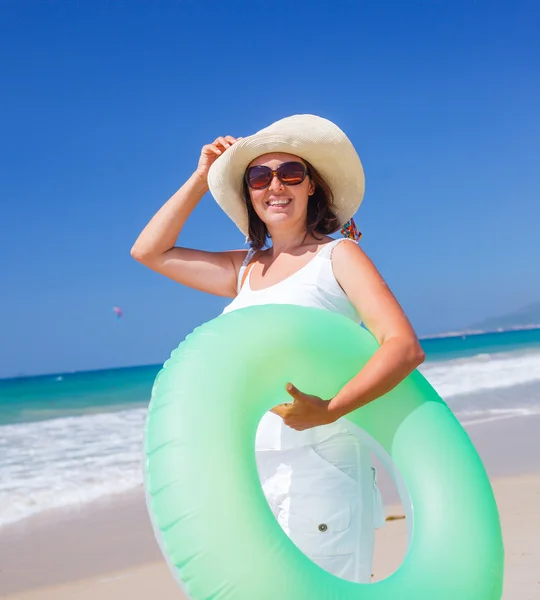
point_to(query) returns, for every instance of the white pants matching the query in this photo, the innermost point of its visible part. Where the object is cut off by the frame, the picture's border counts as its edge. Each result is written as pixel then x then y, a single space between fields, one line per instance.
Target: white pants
pixel 325 498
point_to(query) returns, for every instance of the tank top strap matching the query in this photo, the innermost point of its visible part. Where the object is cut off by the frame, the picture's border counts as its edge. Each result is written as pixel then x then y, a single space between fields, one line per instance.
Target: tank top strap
pixel 326 252
pixel 324 269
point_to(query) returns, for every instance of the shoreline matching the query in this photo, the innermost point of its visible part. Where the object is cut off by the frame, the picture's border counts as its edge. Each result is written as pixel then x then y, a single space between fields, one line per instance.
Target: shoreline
pixel 471 332
pixel 111 540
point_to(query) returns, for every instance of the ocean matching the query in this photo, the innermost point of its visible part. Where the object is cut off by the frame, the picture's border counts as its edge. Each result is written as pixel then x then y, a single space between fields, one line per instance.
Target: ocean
pixel 70 438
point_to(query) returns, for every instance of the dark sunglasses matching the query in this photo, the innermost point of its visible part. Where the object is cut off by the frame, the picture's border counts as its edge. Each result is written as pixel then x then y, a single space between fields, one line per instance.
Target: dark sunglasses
pixel 289 173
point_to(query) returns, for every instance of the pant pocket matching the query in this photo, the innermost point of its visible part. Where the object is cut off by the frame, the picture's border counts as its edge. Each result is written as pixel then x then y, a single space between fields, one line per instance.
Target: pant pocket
pixel 321 525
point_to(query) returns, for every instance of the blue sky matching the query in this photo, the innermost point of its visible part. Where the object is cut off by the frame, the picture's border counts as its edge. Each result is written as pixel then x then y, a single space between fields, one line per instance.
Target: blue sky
pixel 105 106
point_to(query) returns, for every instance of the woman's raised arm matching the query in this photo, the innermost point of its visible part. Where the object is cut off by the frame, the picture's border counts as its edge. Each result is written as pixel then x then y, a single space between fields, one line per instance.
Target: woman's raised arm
pixel 212 272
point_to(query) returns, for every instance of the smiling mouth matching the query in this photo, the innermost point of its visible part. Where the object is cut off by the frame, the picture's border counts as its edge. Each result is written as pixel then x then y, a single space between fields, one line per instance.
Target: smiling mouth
pixel 283 202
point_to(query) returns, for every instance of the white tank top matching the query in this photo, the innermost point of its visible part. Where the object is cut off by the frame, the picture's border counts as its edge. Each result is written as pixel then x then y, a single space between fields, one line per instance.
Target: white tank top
pixel 313 285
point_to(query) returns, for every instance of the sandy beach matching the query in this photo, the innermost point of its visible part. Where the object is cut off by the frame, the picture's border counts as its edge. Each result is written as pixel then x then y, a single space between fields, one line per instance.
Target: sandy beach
pixel 107 549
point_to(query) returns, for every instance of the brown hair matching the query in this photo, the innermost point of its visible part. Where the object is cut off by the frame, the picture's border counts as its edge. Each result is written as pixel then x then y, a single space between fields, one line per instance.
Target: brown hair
pixel 320 217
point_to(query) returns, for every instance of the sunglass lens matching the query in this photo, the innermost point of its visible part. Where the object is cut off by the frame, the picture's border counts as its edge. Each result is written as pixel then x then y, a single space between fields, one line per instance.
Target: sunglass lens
pixel 292 173
pixel 259 177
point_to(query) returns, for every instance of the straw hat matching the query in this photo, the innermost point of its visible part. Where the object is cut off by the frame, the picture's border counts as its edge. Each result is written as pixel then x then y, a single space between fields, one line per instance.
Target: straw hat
pixel 316 140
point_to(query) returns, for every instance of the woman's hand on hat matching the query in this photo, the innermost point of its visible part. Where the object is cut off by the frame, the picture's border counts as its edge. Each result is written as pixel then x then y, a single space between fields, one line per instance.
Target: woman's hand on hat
pixel 210 152
pixel 305 411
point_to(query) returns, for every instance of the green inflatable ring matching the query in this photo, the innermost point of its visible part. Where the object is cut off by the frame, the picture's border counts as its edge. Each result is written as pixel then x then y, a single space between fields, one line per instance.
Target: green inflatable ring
pixel 205 499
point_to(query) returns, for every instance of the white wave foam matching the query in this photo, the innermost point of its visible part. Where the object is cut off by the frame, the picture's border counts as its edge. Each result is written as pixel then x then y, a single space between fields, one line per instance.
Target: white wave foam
pixel 482 372
pixel 475 417
pixel 60 462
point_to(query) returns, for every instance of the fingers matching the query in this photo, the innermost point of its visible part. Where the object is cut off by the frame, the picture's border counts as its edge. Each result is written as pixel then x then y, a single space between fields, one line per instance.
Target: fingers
pixel 211 152
pixel 232 140
pixel 281 409
pixel 212 149
pixel 220 144
pixel 285 412
pixel 225 141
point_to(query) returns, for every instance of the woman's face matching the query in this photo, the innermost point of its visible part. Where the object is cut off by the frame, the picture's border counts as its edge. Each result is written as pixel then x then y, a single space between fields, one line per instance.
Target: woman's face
pixel 281 204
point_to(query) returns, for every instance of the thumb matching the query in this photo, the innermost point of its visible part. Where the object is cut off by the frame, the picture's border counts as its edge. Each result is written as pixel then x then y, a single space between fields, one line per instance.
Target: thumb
pixel 293 391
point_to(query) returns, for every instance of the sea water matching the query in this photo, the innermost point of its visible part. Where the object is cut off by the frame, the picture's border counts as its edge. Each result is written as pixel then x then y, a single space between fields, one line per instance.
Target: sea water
pixel 70 438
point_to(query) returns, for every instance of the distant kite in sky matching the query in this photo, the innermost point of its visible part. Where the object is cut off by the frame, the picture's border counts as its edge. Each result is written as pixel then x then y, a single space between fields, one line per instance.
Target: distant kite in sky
pixel 118 311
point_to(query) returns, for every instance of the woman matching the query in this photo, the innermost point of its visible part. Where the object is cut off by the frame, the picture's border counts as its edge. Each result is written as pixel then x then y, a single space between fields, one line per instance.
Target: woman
pixel 295 182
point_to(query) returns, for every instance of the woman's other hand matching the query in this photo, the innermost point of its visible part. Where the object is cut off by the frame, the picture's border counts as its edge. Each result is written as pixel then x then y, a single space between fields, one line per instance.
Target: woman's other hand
pixel 210 152
pixel 305 411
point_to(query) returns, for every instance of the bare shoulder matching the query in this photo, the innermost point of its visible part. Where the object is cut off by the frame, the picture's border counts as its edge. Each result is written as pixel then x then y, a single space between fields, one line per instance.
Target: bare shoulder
pixel 368 291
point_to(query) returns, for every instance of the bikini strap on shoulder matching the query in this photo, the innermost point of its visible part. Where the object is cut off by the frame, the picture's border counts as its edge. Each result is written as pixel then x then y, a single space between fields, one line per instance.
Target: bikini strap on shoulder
pixel 251 253
pixel 243 271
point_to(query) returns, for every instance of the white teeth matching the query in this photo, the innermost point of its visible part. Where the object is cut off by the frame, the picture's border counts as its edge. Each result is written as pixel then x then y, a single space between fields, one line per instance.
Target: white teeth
pixel 279 203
